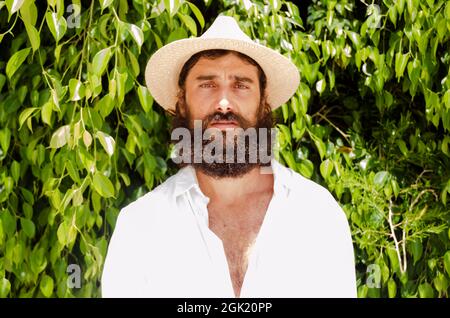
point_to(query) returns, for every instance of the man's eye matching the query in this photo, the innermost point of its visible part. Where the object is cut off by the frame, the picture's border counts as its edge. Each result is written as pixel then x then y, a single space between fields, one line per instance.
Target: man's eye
pixel 241 86
pixel 207 85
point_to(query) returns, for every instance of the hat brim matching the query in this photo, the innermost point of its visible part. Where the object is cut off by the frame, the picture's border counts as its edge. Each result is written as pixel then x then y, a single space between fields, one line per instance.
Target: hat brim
pixel 164 67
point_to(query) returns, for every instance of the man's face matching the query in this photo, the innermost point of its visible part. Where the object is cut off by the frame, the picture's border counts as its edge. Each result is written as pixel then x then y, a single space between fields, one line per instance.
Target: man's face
pixel 223 93
pixel 225 84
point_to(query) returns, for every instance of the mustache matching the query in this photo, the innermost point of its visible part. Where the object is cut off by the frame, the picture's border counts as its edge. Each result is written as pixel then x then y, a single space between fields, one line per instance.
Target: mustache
pixel 228 116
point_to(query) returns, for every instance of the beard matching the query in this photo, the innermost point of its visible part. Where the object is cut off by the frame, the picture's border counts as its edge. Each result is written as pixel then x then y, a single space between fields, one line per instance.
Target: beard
pixel 238 154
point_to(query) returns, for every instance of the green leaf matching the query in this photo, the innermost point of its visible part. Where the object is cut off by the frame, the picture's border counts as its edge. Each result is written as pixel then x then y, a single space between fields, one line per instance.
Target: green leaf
pixel 107 142
pixel 105 3
pixel 66 233
pixel 38 262
pixel 326 167
pixel 189 22
pixel 121 79
pixel 9 223
pixel 306 168
pixel 412 6
pixel 2 233
pixel 393 258
pixel 34 36
pixel 100 61
pixel 62 233
pixel 16 61
pixel 426 291
pixel 380 178
pixel 320 86
pixel 28 227
pixel 60 137
pixel 15 171
pixel 289 159
pixel 136 34
pixel 46 112
pixel 171 6
pixel 402 146
pixel 320 145
pixel 298 128
pixel 25 114
pixel 447 10
pixel 392 12
pixel 392 288
pixel 28 12
pixel 103 185
pixel 440 282
pixel 76 89
pixel 401 60
pixel 304 96
pixel 197 14
pixel 284 136
pixel 87 138
pixel 105 105
pixel 28 195
pixel 331 78
pixel 177 34
pixel 414 71
pixel 73 172
pixel 400 4
pixel 2 81
pixel 355 38
pixel 145 98
pixel 27 210
pixel 447 260
pixel 92 119
pixel 158 41
pixel 46 285
pixel 362 291
pixel 5 138
pixel 14 5
pixel 57 25
pixel 416 250
pixel 126 179
pixel 395 187
pixel 134 63
pixel 446 96
pixel 5 287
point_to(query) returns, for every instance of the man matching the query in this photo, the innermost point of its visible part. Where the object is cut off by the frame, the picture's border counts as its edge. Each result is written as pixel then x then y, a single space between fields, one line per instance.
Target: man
pixel 228 228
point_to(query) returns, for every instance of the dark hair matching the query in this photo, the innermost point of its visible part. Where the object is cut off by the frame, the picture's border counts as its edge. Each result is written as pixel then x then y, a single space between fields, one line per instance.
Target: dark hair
pixel 213 54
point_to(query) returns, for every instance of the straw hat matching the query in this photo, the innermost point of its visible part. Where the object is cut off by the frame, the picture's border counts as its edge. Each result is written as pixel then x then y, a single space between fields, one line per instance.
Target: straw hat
pixel 164 67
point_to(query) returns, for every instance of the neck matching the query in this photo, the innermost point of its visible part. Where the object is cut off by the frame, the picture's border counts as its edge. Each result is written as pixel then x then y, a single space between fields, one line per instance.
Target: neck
pixel 229 190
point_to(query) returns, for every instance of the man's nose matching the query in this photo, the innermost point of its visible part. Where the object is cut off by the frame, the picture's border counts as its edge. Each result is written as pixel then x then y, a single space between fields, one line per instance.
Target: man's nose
pixel 224 105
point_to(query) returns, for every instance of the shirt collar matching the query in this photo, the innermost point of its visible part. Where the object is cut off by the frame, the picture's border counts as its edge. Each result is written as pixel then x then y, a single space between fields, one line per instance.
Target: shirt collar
pixel 186 178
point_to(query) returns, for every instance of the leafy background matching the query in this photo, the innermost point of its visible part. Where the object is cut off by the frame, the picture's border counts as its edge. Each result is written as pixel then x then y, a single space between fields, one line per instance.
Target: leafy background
pixel 80 135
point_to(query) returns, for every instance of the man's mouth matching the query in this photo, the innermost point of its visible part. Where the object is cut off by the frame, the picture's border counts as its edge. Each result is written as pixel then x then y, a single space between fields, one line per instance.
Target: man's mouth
pixel 224 124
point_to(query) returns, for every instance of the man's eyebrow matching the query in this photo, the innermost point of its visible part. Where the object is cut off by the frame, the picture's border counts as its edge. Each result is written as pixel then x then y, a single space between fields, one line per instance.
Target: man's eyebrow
pixel 243 79
pixel 205 77
pixel 236 77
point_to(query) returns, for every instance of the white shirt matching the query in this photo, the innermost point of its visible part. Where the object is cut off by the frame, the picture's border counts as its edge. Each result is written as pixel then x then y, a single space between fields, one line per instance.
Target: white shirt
pixel 162 245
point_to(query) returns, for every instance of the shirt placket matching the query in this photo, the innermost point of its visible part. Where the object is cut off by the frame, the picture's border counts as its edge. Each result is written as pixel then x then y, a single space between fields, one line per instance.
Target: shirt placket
pixel 212 243
pixel 280 195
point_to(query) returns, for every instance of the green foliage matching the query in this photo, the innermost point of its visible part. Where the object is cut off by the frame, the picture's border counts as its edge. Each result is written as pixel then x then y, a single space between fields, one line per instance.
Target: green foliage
pixel 80 136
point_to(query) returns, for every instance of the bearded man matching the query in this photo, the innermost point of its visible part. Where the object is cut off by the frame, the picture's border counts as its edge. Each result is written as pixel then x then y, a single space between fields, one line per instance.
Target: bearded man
pixel 233 222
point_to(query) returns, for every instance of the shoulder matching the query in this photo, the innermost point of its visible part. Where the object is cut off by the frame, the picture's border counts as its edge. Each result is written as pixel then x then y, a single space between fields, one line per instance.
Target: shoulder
pixel 302 187
pixel 308 195
pixel 153 205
